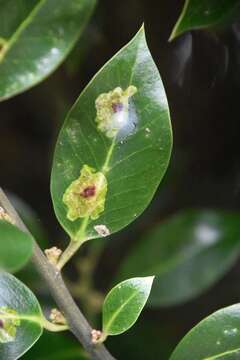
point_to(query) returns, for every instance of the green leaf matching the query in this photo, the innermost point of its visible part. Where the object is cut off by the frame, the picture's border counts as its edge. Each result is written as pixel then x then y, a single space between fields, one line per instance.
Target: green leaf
pixel 184 253
pixel 20 318
pixel 216 337
pixel 15 247
pixel 114 147
pixel 35 37
pixel 205 13
pixel 124 304
pixel 52 346
pixel 29 275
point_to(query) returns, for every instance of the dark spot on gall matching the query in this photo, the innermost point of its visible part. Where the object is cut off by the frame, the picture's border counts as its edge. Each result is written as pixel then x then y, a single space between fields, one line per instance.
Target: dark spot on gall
pixel 90 191
pixel 117 107
pixel 1 324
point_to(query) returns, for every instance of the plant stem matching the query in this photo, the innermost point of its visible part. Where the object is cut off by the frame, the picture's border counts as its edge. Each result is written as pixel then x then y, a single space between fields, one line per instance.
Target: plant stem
pixel 53 327
pixel 68 253
pixel 78 324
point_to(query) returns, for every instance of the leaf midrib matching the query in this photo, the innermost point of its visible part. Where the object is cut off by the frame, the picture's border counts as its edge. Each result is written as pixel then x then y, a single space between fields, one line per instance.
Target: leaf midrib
pixel 115 315
pixel 34 319
pixel 105 167
pixel 222 354
pixel 20 29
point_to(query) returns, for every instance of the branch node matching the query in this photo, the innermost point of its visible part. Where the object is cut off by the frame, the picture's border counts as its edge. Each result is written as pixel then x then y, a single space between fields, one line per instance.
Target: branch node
pixel 96 336
pixel 57 317
pixel 53 254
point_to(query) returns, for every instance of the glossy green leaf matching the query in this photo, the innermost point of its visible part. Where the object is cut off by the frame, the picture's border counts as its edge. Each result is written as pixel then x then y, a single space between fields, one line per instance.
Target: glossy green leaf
pixel 216 337
pixel 28 274
pixel 124 304
pixel 20 318
pixel 187 253
pixel 35 37
pixel 205 13
pixel 52 346
pixel 121 148
pixel 15 247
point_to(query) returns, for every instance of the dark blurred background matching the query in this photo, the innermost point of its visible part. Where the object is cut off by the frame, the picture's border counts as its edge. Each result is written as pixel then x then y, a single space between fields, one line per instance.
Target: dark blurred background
pixel 200 71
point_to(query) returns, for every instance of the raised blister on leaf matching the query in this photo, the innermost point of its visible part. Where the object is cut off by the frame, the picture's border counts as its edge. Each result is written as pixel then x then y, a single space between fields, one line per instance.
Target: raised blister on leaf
pixel 9 322
pixel 113 110
pixel 85 197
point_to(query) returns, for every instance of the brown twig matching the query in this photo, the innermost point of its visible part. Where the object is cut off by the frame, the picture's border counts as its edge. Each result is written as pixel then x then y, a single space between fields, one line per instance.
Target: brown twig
pixel 78 324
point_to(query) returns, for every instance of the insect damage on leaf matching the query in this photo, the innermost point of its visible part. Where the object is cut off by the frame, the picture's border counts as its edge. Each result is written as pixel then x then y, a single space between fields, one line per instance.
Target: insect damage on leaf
pixel 9 322
pixel 85 197
pixel 113 113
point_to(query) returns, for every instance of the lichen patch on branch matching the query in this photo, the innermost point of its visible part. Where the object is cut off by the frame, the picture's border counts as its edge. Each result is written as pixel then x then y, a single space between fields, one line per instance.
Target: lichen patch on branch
pixel 85 197
pixel 113 113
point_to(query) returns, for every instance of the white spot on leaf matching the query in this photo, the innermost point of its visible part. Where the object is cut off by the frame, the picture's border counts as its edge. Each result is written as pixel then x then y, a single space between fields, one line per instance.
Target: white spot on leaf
pixel 102 230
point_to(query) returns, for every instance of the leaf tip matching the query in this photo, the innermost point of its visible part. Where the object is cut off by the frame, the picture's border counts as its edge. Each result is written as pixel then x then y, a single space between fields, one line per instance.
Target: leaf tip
pixel 177 30
pixel 149 280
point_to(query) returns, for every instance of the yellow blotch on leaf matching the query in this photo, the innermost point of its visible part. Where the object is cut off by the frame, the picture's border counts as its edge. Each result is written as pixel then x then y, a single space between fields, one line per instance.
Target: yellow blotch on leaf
pixel 85 197
pixel 9 322
pixel 113 110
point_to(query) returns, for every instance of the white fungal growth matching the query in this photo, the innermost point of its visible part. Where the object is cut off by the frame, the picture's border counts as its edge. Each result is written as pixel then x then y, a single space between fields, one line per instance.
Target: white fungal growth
pixel 113 110
pixel 102 230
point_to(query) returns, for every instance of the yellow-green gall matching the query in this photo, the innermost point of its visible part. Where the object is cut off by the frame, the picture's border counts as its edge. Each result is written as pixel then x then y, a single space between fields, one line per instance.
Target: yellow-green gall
pixel 9 321
pixel 113 110
pixel 85 197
